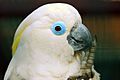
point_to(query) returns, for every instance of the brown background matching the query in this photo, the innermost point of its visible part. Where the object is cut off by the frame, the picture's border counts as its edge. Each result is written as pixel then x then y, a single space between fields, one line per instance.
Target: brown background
pixel 102 17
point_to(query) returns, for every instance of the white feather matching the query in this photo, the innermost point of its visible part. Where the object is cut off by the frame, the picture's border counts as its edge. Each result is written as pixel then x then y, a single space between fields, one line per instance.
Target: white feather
pixel 41 55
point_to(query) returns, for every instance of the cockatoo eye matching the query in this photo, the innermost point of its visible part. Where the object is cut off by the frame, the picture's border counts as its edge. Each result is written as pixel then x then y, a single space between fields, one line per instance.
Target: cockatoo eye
pixel 58 28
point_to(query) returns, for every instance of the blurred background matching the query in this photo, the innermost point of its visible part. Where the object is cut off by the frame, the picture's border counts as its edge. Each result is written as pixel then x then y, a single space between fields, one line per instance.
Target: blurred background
pixel 102 17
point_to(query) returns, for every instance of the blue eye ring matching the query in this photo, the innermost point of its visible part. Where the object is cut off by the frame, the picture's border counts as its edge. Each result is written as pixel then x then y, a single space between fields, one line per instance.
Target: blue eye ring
pixel 58 28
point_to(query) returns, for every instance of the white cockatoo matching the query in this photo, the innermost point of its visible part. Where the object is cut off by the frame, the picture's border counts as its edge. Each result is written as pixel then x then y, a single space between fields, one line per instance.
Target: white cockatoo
pixel 52 44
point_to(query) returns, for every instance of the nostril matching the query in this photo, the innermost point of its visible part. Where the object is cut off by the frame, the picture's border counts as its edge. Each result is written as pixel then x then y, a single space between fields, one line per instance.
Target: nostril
pixel 82 45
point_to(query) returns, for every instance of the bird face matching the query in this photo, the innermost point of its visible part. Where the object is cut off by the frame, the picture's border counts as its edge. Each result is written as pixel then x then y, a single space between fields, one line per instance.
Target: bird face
pixel 57 26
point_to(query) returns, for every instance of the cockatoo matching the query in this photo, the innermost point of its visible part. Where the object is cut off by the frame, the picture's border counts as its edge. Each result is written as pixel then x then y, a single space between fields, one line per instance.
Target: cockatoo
pixel 52 44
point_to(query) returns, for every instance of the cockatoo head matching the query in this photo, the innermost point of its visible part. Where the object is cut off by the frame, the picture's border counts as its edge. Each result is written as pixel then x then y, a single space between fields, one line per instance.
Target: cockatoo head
pixel 45 43
pixel 53 28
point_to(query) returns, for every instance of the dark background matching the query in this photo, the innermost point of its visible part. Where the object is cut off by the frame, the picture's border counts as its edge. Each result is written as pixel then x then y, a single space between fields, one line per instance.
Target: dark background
pixel 102 17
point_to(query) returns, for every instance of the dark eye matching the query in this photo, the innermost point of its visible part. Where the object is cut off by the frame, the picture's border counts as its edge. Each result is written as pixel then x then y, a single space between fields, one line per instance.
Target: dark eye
pixel 58 28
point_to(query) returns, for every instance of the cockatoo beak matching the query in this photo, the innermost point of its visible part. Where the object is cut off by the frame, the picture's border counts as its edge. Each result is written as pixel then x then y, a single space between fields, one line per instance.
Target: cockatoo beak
pixel 79 37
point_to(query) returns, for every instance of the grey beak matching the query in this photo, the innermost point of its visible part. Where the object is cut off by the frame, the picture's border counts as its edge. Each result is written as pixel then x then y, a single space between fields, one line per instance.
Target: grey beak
pixel 79 38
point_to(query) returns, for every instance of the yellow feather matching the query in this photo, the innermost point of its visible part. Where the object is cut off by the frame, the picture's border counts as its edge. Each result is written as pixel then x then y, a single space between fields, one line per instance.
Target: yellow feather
pixel 17 38
pixel 15 44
